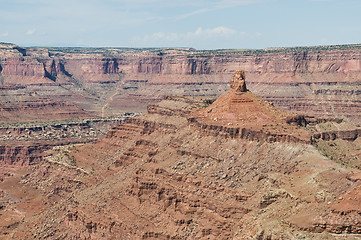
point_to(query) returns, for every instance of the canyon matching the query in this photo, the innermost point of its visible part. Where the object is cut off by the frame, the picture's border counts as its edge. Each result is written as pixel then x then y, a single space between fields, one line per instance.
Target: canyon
pixel 161 175
pixel 271 152
pixel 61 83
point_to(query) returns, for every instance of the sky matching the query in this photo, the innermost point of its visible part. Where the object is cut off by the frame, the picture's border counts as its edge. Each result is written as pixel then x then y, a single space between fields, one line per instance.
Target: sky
pixel 201 24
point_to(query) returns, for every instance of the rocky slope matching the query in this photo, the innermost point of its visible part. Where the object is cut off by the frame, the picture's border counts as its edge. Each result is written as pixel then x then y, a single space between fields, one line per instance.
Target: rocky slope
pixel 162 176
pixel 25 144
pixel 71 82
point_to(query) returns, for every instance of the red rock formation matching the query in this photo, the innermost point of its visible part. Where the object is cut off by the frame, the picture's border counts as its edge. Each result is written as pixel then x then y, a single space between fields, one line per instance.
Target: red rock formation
pixel 27 145
pixel 240 114
pixel 349 135
pixel 167 175
pixel 40 110
pixel 321 82
pixel 157 176
pixel 238 81
pixel 20 155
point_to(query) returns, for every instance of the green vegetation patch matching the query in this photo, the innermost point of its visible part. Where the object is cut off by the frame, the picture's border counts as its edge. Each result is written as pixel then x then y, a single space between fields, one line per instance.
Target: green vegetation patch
pixel 347 153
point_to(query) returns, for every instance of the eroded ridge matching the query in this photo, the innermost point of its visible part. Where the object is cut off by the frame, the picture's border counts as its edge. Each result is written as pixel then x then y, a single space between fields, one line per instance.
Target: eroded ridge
pixel 184 171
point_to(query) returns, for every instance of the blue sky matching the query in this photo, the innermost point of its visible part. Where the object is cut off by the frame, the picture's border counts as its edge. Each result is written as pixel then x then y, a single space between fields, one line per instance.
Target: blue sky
pixel 202 24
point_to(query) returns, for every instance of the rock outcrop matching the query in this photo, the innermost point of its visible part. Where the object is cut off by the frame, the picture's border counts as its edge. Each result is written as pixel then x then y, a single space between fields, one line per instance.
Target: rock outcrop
pixel 349 135
pixel 241 114
pixel 26 144
pixel 25 154
pixel 238 81
pixel 160 176
pixel 323 82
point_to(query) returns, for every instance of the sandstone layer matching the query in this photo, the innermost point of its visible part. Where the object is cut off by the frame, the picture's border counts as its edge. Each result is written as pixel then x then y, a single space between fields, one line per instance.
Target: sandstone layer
pixel 161 176
pixel 26 144
pixel 78 82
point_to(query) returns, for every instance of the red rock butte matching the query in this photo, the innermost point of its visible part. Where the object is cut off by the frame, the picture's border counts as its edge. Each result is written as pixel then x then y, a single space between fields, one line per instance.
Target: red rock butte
pixel 241 109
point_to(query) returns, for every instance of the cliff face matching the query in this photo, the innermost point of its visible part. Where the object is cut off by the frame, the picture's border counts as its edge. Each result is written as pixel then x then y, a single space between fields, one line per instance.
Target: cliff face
pixel 20 155
pixel 293 63
pixel 310 82
pixel 34 61
pixel 26 144
pixel 107 81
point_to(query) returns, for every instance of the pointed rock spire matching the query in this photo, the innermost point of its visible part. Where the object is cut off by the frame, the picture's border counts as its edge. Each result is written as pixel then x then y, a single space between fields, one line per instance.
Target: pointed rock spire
pixel 238 81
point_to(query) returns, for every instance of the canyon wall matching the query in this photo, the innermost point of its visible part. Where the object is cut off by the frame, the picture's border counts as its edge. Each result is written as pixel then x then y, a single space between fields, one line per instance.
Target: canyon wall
pixel 189 168
pixel 103 82
pixel 26 144
pixel 160 176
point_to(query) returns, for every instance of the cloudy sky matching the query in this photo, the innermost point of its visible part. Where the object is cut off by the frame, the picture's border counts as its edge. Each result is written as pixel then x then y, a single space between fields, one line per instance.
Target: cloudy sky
pixel 202 24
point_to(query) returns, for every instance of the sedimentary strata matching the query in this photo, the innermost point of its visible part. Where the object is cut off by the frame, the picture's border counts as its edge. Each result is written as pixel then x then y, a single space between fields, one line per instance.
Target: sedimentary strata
pixel 103 82
pixel 160 176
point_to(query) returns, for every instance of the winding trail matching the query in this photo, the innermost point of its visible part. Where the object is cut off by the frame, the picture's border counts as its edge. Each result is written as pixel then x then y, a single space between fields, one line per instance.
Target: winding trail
pixel 108 101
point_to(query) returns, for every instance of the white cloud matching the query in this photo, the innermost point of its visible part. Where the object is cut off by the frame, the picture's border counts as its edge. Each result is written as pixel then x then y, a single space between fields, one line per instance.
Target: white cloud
pixel 138 4
pixel 217 5
pixel 30 32
pixel 204 38
pixel 199 33
pixel 116 22
pixel 4 34
pixel 127 4
pixel 201 38
pixel 232 3
pixel 196 12
pixel 220 31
